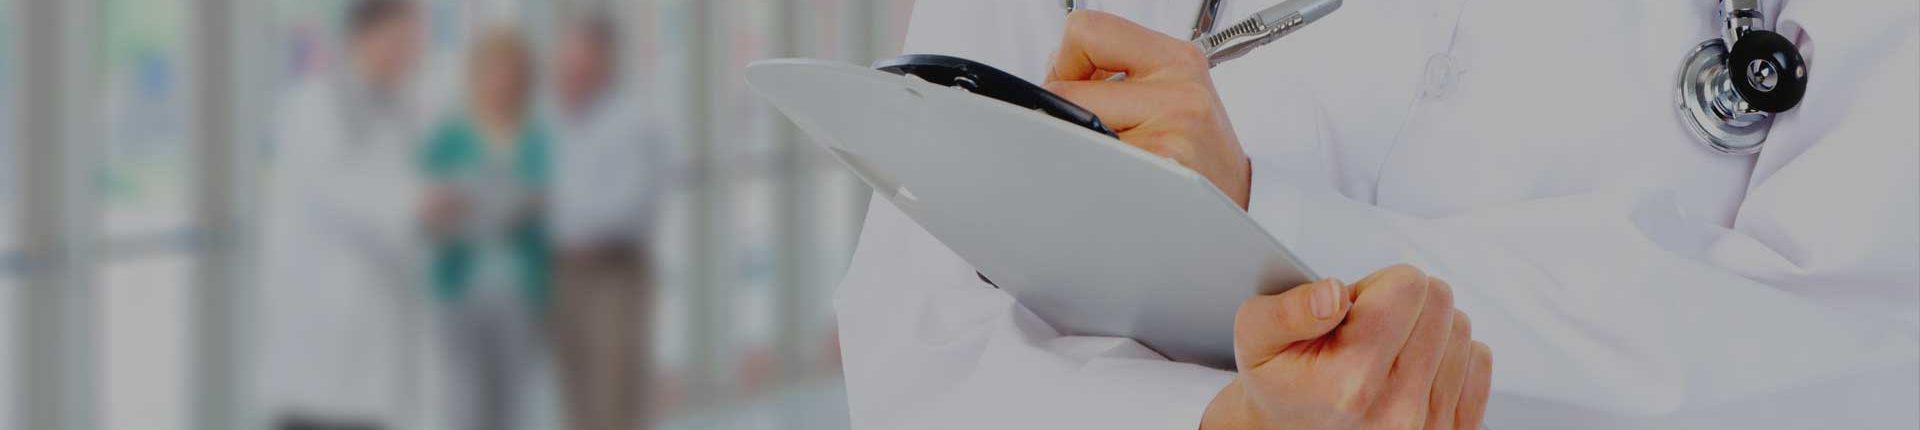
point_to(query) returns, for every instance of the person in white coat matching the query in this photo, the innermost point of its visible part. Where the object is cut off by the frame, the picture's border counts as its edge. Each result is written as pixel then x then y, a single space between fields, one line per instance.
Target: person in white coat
pixel 340 280
pixel 1526 151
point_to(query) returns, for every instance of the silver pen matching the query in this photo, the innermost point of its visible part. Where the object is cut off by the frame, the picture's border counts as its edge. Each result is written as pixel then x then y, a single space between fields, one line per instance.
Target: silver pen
pixel 1258 30
pixel 1203 24
pixel 1263 28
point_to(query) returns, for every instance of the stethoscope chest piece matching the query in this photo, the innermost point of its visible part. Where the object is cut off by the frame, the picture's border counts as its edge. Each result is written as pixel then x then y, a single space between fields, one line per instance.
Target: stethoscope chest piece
pixel 1708 112
pixel 1727 97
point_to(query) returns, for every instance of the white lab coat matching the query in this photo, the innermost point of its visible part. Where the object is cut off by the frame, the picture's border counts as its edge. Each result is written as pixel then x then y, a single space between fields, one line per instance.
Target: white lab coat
pixel 340 299
pixel 1527 151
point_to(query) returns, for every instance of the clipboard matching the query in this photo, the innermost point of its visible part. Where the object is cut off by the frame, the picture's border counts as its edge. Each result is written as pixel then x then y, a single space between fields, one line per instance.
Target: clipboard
pixel 1096 237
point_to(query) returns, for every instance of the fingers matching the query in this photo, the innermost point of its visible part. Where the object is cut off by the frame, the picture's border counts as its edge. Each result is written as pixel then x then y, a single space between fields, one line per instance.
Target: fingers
pixel 1098 41
pixel 1473 396
pixel 1266 325
pixel 1386 305
pixel 1408 393
pixel 1452 379
pixel 1121 105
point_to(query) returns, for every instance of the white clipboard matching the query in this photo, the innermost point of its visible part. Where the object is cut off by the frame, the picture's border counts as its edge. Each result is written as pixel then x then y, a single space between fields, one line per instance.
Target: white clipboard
pixel 1094 236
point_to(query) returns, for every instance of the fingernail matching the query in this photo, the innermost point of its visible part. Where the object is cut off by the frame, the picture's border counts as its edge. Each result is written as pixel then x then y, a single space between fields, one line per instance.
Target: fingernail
pixel 1326 298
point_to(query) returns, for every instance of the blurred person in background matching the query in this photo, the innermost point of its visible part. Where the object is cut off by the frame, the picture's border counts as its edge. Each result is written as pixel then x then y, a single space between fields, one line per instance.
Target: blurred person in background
pixel 340 255
pixel 603 203
pixel 483 212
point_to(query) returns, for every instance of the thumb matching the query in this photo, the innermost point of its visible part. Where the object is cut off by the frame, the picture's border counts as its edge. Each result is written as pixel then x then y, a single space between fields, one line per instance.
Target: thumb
pixel 1267 325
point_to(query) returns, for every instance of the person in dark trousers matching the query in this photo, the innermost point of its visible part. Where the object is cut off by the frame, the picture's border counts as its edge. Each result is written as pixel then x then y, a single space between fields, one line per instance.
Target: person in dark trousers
pixel 609 173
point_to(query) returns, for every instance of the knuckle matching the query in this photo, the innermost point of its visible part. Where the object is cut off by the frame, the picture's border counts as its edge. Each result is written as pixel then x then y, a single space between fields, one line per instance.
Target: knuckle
pixel 1191 106
pixel 1356 396
pixel 1080 18
pixel 1188 55
pixel 1252 317
pixel 1082 25
pixel 1403 270
pixel 1186 115
pixel 1194 93
pixel 1463 324
pixel 1244 317
pixel 1276 311
pixel 1406 419
pixel 1439 293
pixel 1403 279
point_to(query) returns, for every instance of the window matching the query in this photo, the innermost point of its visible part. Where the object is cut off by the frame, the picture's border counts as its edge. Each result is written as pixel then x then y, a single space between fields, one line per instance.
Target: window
pixel 9 169
pixel 146 186
pixel 10 207
pixel 748 151
pixel 754 240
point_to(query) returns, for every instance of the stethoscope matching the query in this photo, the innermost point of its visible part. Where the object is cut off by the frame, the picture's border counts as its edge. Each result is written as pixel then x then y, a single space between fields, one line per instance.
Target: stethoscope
pixel 1728 96
pixel 1728 89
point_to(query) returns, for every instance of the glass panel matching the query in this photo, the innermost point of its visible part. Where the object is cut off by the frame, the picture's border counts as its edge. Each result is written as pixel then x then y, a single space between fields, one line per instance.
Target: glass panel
pixel 672 346
pixel 782 368
pixel 146 183
pixel 744 135
pixel 755 278
pixel 746 149
pixel 9 171
pixel 143 82
pixel 9 287
pixel 143 349
pixel 9 215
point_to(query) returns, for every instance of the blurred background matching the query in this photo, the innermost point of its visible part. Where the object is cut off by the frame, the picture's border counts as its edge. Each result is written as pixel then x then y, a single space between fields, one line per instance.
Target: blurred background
pixel 425 214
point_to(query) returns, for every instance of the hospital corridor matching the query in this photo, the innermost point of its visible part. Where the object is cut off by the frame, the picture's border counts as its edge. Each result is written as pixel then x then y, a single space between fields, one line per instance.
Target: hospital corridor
pixel 419 214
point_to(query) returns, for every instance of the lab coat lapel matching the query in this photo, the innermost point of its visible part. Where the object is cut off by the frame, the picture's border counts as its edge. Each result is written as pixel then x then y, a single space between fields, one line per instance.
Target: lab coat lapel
pixel 1521 108
pixel 1840 44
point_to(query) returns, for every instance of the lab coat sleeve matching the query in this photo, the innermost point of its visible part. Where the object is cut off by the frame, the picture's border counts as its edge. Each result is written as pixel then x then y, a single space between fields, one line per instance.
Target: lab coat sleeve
pixel 928 345
pixel 1616 302
pixel 366 194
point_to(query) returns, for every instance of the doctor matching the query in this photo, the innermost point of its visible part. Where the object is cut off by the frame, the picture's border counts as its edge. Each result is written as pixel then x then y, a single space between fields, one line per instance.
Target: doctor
pixel 1525 151
pixel 340 270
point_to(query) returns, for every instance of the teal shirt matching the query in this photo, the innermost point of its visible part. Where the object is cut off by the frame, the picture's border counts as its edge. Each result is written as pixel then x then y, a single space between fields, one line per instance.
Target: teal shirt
pixel 456 148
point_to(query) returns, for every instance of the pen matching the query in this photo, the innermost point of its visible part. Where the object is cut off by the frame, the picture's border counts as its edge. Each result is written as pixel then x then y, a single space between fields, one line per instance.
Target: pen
pixel 1263 28
pixel 1258 30
pixel 1209 11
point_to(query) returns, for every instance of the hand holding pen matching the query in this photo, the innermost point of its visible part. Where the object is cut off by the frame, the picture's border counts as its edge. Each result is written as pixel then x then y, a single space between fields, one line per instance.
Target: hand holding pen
pixel 1167 104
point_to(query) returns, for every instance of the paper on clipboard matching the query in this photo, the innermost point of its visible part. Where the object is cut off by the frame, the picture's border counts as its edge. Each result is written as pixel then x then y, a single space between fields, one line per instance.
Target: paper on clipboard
pixel 1094 236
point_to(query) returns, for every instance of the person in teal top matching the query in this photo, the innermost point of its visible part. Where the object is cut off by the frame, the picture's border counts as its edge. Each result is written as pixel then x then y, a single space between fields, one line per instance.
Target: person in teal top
pixel 487 174
pixel 502 187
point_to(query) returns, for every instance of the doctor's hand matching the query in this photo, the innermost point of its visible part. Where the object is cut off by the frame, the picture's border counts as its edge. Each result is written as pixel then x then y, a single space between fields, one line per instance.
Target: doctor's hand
pixel 1390 352
pixel 1166 105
